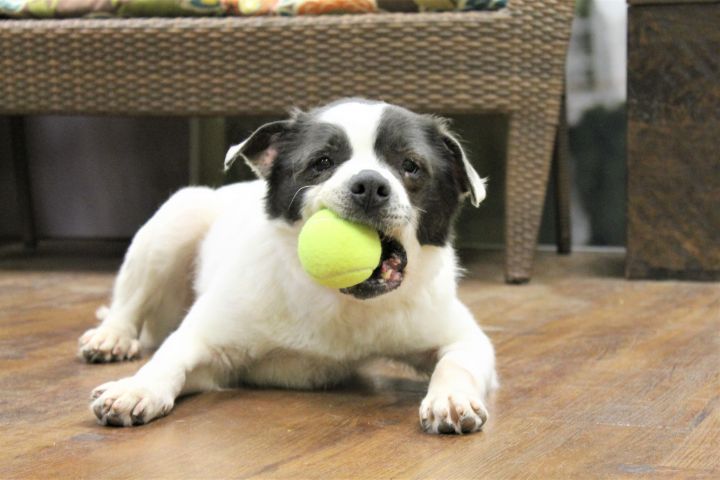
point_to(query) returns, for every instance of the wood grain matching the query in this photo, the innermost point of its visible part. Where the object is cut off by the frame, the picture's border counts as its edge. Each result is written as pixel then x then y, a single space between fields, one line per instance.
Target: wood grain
pixel 668 2
pixel 600 378
pixel 673 141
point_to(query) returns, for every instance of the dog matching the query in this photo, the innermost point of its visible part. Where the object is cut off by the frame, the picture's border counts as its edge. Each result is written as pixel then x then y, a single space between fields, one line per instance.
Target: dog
pixel 213 277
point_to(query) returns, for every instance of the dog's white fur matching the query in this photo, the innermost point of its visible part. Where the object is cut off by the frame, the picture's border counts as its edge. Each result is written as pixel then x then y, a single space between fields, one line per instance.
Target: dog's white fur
pixel 258 318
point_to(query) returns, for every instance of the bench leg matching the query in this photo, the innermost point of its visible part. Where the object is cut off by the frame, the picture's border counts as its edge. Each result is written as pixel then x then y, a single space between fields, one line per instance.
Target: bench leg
pixel 18 145
pixel 529 156
pixel 561 174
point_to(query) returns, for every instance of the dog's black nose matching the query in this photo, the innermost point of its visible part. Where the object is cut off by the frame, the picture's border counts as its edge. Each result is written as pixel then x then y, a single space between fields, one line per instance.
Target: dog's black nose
pixel 369 189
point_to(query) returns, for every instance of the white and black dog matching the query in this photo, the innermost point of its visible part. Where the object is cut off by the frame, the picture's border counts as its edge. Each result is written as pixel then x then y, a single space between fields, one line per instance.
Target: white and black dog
pixel 255 317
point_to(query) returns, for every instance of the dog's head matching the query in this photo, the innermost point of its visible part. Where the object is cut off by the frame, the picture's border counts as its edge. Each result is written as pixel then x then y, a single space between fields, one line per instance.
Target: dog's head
pixel 402 173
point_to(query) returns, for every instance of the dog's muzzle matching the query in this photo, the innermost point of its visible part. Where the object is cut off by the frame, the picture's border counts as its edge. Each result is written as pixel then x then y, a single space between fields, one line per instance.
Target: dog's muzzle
pixel 388 275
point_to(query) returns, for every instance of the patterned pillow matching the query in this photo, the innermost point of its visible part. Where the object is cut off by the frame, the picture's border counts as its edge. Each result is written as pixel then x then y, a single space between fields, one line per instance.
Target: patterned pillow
pixel 178 8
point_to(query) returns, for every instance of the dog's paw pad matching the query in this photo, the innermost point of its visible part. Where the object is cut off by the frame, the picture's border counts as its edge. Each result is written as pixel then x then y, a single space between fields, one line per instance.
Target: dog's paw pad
pixel 127 403
pixel 104 344
pixel 452 413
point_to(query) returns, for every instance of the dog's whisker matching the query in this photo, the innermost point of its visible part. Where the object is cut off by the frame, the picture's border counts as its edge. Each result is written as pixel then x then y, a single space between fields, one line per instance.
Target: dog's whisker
pixel 296 194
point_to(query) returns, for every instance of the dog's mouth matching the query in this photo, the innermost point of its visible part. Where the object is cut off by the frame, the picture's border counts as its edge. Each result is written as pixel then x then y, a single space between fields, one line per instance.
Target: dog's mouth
pixel 388 275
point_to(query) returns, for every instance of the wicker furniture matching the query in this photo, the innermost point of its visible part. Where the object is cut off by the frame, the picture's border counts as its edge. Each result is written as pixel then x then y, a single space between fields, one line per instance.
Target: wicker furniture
pixel 509 61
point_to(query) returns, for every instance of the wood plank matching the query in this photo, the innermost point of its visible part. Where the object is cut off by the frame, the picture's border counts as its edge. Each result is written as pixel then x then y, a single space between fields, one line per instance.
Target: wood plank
pixel 601 377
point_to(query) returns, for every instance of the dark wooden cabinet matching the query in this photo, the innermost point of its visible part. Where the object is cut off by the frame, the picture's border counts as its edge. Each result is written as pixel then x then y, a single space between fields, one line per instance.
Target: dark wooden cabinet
pixel 673 140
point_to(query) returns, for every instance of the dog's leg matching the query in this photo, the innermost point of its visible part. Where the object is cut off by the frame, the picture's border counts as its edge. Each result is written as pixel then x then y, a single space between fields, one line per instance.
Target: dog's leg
pixel 463 376
pixel 153 286
pixel 188 361
pixel 152 391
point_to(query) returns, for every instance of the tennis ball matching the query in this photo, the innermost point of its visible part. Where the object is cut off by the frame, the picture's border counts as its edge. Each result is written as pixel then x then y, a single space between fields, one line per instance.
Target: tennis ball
pixel 338 253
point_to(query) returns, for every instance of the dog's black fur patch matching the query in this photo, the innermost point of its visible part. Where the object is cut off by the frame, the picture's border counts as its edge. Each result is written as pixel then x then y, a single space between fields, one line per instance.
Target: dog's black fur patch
pixel 437 187
pixel 302 141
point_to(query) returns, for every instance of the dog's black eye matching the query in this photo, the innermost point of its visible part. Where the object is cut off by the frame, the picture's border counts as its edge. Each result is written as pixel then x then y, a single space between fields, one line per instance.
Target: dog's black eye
pixel 322 163
pixel 410 167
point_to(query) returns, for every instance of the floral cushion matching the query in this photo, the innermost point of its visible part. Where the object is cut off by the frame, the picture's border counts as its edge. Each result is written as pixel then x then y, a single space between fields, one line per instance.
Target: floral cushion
pixel 177 8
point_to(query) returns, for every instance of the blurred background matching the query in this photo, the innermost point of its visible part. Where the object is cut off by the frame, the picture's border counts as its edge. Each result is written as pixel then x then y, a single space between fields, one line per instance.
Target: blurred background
pixel 115 172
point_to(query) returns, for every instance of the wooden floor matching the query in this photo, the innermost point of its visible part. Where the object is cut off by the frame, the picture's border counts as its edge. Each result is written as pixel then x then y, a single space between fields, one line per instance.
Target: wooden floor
pixel 601 378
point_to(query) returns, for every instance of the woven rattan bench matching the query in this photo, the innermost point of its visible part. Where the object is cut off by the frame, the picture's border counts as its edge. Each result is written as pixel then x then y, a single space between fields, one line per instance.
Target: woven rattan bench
pixel 509 61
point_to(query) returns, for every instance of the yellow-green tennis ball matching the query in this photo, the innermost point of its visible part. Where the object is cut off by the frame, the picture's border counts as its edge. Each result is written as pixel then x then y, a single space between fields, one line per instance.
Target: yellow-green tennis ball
pixel 338 253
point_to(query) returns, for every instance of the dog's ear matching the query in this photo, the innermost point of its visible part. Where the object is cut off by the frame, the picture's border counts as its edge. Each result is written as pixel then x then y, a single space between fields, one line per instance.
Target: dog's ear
pixel 470 181
pixel 260 149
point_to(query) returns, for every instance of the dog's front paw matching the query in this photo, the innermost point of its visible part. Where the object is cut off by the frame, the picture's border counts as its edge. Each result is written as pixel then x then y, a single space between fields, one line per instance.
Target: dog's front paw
pixel 445 412
pixel 129 402
pixel 107 344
